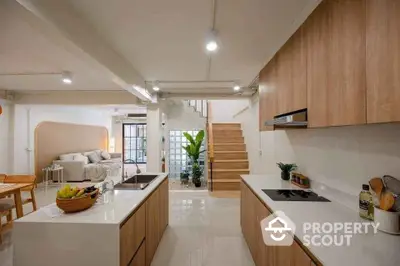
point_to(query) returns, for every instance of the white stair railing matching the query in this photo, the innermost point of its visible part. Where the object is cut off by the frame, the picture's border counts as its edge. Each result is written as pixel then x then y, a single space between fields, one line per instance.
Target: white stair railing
pixel 199 106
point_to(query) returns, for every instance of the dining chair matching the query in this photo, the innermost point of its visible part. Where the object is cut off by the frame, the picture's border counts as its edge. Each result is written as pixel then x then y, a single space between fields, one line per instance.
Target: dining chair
pixel 31 189
pixel 5 210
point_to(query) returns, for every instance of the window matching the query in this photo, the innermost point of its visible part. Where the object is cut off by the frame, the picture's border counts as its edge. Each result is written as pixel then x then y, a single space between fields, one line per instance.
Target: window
pixel 135 148
pixel 178 160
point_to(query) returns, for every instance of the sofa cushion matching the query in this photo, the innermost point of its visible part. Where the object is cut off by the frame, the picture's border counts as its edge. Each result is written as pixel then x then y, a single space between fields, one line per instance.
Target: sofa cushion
pixel 95 151
pixel 68 156
pixel 105 155
pixel 94 157
pixel 81 157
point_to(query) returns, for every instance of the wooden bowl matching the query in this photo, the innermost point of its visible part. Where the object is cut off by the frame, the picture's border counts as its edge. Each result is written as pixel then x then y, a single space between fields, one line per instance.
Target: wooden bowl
pixel 79 204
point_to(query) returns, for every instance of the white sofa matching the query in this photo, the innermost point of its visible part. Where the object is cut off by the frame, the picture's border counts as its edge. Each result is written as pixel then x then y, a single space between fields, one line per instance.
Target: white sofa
pixel 92 165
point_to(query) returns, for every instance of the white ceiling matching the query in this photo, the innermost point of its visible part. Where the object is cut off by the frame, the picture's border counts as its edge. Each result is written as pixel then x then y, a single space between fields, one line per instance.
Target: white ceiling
pixel 25 49
pixel 163 40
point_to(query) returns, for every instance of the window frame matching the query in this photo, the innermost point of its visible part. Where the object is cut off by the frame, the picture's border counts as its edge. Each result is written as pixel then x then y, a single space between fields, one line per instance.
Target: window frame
pixel 136 149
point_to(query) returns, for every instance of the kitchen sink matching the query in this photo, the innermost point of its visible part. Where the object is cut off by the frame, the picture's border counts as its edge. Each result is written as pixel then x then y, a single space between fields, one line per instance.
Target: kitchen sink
pixel 140 179
pixel 136 182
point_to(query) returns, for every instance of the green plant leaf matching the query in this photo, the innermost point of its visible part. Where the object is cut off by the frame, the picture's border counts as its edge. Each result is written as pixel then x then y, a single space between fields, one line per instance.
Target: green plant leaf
pixel 189 138
pixel 200 136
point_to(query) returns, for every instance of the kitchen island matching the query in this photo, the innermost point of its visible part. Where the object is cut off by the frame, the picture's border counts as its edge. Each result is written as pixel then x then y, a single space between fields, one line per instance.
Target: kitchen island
pixel 367 249
pixel 123 228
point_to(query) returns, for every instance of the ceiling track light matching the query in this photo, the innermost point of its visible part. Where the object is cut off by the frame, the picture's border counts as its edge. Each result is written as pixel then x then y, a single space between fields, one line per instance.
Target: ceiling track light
pixel 236 86
pixel 156 87
pixel 66 77
pixel 211 41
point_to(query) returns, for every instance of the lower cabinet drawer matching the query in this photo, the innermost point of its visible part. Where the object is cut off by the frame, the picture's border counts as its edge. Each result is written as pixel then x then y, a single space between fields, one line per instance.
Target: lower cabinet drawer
pixel 132 234
pixel 140 256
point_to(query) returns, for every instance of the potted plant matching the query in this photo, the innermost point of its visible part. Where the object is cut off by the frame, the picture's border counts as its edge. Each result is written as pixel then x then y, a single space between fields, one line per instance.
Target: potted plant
pixel 196 175
pixel 286 169
pixel 193 151
pixel 184 176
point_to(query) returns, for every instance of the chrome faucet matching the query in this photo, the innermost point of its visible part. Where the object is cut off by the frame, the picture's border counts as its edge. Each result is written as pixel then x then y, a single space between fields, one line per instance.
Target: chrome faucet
pixel 137 168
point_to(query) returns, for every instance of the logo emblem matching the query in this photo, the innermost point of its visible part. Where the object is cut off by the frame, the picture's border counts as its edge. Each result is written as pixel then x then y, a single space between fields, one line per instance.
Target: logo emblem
pixel 278 230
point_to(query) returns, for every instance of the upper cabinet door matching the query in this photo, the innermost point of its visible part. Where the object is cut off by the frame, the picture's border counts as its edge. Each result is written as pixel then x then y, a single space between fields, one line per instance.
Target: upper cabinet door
pixel 267 95
pixel 291 86
pixel 383 61
pixel 336 79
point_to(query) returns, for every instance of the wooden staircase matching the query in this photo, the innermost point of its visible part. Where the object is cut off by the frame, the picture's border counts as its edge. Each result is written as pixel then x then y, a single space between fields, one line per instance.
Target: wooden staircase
pixel 227 156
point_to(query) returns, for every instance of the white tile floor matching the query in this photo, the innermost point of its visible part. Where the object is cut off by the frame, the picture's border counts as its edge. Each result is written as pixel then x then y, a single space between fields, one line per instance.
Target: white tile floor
pixel 203 231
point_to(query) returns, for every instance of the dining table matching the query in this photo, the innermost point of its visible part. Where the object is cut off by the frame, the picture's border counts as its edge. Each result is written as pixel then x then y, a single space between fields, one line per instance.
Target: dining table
pixel 7 189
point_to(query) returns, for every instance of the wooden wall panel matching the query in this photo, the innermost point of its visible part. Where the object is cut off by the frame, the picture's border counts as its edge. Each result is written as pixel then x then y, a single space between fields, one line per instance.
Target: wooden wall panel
pixel 383 61
pixel 53 139
pixel 336 78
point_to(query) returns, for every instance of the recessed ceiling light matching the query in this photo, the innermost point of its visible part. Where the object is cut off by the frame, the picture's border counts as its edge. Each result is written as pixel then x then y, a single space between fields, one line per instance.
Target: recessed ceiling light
pixel 156 88
pixel 236 88
pixel 66 77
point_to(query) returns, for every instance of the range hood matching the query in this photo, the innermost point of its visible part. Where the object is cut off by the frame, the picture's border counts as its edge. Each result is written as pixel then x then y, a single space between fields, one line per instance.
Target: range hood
pixel 296 119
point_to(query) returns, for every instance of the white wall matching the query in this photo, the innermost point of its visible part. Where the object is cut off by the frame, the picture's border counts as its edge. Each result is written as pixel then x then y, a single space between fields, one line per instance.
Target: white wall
pixel 179 116
pixel 224 111
pixel 341 157
pixel 27 117
pixel 5 119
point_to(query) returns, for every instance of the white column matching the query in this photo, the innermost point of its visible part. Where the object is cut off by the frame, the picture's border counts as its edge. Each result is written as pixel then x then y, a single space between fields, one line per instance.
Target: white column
pixel 154 134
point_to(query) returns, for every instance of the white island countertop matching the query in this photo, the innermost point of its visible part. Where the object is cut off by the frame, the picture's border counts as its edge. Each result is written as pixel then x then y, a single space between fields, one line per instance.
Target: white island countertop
pixel 91 237
pixel 365 249
pixel 119 204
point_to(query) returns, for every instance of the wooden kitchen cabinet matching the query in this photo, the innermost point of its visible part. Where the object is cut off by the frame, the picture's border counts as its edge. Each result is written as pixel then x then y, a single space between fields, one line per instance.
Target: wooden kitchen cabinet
pixel 156 219
pixel 132 234
pixel 164 207
pixel 252 211
pixel 140 256
pixel 267 94
pixel 141 233
pixel 336 72
pixel 291 85
pixel 383 61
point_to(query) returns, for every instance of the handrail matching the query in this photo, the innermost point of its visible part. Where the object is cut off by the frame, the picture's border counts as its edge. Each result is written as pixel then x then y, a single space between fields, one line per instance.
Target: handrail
pixel 210 142
pixel 211 152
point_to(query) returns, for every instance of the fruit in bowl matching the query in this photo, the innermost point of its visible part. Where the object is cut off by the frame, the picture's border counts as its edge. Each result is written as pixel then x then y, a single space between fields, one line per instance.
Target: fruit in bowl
pixel 68 192
pixel 74 199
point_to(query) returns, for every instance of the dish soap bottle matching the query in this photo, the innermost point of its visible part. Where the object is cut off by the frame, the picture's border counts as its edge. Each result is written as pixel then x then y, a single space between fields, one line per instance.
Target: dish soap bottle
pixel 365 204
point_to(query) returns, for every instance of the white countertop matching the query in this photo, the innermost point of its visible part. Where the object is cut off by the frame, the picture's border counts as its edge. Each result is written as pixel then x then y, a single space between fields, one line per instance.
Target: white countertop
pixel 365 249
pixel 119 204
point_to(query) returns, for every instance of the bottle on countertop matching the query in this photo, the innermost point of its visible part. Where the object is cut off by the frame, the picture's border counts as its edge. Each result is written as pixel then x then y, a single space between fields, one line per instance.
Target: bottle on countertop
pixel 366 205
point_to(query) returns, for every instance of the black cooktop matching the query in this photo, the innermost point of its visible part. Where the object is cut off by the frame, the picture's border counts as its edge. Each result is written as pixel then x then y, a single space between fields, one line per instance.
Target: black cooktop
pixel 293 195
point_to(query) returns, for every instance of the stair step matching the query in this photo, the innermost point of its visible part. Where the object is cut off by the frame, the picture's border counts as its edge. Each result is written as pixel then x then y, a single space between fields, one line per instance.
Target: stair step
pixel 223 155
pixel 229 140
pixel 230 164
pixel 229 147
pixel 219 126
pixel 222 174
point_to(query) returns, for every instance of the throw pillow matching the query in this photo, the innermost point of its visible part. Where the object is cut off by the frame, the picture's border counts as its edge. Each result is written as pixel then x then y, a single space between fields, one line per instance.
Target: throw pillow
pixel 80 157
pixel 94 157
pixel 105 155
